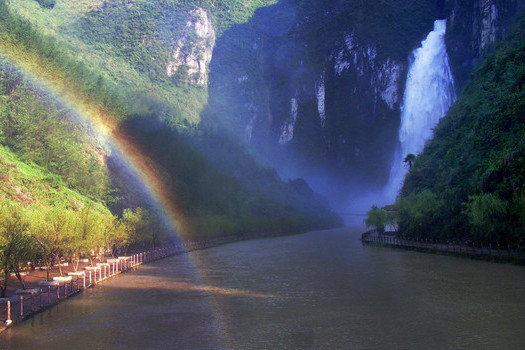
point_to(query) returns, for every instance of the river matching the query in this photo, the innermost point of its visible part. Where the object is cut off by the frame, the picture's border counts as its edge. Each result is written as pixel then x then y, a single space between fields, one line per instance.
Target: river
pixel 320 290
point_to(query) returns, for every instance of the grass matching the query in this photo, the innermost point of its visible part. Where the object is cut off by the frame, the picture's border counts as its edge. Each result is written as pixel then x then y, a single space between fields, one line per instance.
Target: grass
pixel 30 184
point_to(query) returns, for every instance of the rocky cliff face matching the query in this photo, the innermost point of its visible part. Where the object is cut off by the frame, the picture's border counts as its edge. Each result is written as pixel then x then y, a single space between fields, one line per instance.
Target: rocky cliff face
pixel 311 87
pixel 319 85
pixel 305 84
pixel 192 50
pixel 472 26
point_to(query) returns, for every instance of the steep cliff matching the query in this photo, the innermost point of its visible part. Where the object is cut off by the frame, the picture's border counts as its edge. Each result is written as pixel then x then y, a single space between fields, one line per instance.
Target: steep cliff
pixel 317 85
pixel 193 49
pixel 63 92
pixel 473 25
pixel 158 49
pixel 314 88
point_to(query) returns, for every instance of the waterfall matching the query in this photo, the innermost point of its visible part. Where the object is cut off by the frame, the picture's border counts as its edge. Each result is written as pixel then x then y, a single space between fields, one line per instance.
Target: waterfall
pixel 287 128
pixel 321 95
pixel 428 95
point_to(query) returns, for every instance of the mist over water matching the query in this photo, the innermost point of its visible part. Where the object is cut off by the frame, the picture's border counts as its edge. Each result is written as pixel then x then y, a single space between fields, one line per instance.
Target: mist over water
pixel 428 95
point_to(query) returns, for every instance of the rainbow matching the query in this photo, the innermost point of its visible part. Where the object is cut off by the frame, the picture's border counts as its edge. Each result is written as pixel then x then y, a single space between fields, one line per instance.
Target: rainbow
pixel 106 127
pixel 152 178
pixel 140 165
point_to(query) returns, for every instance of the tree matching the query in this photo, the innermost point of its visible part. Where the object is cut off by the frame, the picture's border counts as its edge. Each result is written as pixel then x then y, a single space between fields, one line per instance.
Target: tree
pixel 409 160
pixel 380 218
pixel 109 225
pixel 135 224
pixel 90 231
pixel 47 4
pixel 487 215
pixel 10 78
pixel 15 242
pixel 418 214
pixel 119 237
pixel 52 232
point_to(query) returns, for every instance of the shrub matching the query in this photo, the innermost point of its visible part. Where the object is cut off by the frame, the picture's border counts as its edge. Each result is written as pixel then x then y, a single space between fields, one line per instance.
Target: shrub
pixel 418 214
pixel 47 4
pixel 380 218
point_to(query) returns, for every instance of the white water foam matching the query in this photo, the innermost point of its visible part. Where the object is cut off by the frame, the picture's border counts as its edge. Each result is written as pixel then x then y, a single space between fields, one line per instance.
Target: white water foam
pixel 428 95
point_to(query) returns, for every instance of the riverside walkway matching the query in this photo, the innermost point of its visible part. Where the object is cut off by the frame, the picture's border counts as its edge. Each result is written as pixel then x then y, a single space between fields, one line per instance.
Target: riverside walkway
pixel 492 253
pixel 40 295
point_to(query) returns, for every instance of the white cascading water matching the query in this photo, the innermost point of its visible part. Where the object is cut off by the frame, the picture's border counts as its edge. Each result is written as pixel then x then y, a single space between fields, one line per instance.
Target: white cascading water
pixel 428 95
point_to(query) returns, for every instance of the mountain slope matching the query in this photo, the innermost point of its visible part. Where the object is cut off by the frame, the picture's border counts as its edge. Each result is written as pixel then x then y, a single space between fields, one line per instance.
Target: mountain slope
pixel 211 201
pixel 313 88
pixel 33 185
pixel 133 43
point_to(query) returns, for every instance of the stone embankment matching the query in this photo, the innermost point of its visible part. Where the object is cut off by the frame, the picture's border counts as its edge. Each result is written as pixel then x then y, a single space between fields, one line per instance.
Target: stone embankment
pixel 495 253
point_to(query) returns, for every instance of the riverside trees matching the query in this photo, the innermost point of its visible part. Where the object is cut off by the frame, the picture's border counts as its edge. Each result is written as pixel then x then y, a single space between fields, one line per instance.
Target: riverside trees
pixel 53 235
pixel 380 218
pixel 16 245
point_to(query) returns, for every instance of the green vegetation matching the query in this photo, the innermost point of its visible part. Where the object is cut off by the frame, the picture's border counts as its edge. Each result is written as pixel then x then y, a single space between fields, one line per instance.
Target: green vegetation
pixel 47 4
pixel 409 160
pixel 45 57
pixel 41 131
pixel 469 182
pixel 133 51
pixel 229 193
pixel 282 53
pixel 44 222
pixel 15 243
pixel 380 218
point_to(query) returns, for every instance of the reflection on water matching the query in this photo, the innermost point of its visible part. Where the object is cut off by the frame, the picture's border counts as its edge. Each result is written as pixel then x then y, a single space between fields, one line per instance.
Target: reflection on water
pixel 175 286
pixel 318 290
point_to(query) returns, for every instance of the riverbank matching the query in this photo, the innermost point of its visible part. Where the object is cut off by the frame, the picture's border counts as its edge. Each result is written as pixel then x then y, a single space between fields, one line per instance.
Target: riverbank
pixel 494 254
pixel 316 290
pixel 40 294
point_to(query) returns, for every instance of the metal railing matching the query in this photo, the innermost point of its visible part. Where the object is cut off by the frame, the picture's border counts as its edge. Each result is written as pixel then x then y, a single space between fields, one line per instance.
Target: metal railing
pixel 475 250
pixel 28 302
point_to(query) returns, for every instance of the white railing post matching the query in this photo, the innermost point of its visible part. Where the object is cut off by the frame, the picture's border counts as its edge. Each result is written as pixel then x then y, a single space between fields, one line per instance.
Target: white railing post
pixel 8 321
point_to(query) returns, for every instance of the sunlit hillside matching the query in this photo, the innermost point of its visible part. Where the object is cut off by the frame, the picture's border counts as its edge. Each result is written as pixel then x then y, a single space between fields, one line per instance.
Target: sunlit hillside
pixel 133 51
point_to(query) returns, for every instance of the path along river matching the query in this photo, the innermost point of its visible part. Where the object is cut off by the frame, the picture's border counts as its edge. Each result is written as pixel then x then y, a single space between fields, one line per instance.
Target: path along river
pixel 317 290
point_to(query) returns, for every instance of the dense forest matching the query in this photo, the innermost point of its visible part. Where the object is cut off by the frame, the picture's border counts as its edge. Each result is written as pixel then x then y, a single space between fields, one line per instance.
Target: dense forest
pixel 469 184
